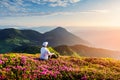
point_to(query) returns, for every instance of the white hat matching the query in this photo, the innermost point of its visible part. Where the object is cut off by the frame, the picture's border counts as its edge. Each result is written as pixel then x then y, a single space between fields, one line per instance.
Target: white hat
pixel 45 43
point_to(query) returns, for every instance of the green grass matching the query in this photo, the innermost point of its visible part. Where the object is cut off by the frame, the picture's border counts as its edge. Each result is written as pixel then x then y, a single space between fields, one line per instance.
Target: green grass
pixel 29 67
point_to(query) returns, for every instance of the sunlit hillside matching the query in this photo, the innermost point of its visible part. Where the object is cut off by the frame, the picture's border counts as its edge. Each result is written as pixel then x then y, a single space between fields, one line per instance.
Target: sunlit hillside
pixel 29 67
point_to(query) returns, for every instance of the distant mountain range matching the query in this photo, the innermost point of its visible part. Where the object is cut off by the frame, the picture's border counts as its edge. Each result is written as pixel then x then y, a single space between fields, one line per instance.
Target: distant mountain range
pixel 11 38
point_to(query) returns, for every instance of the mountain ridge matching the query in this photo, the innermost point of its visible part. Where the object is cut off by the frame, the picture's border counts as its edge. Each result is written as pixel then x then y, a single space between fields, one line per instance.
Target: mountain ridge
pixel 11 37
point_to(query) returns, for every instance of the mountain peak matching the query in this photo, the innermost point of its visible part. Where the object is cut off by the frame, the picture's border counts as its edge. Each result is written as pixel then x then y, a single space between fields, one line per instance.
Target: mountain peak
pixel 60 29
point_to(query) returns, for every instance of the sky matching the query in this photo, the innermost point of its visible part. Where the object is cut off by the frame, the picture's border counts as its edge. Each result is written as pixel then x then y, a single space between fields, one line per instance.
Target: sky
pixel 76 13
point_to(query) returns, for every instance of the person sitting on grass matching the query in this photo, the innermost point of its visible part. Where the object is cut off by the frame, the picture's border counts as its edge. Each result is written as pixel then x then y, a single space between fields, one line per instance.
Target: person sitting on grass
pixel 45 53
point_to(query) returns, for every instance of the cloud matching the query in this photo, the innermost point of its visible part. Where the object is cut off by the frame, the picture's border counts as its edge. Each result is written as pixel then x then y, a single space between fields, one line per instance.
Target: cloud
pixel 62 3
pixel 100 11
pixel 12 6
pixel 25 7
pixel 74 1
pixel 22 14
pixel 18 4
pixel 54 3
pixel 80 12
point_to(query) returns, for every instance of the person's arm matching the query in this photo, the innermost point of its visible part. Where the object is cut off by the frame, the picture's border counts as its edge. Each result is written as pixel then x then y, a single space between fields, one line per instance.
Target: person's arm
pixel 49 53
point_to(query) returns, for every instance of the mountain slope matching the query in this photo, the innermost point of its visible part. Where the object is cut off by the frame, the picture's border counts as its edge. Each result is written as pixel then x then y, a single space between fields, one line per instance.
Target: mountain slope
pixel 9 33
pixel 15 33
pixel 33 36
pixel 88 51
pixel 12 38
pixel 61 36
pixel 65 50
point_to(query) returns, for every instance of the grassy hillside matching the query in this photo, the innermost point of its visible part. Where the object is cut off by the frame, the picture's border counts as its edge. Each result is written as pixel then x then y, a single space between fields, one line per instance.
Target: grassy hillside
pixel 29 67
pixel 65 50
pixel 86 51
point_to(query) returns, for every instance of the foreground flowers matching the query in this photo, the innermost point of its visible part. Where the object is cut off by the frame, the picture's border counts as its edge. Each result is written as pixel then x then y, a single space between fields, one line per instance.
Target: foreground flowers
pixel 29 67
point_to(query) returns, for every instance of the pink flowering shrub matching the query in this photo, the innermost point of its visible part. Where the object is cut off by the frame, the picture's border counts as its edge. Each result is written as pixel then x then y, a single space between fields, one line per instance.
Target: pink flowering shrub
pixel 29 67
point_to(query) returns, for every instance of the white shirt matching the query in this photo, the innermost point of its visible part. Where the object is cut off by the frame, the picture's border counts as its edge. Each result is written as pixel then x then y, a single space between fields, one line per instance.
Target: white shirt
pixel 44 53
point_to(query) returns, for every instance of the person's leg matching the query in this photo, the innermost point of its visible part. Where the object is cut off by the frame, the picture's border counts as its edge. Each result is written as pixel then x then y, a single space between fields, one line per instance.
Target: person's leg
pixel 42 59
pixel 49 57
pixel 54 56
